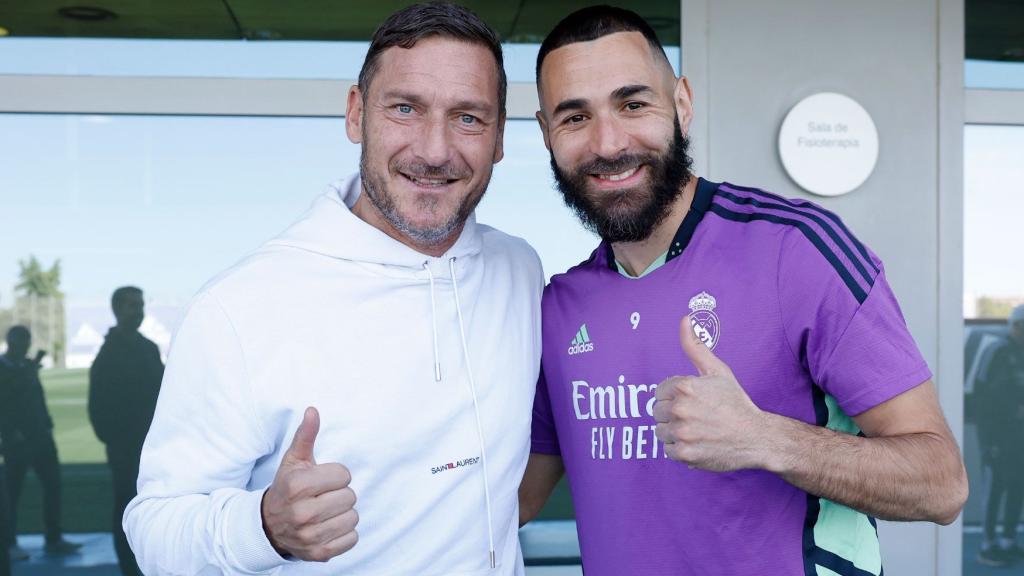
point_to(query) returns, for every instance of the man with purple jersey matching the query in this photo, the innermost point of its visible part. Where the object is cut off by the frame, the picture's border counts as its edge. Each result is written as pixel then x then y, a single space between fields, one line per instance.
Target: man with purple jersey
pixel 808 410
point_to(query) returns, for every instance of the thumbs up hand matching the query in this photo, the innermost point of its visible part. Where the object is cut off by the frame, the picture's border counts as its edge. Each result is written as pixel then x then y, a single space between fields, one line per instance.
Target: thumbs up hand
pixel 708 421
pixel 308 510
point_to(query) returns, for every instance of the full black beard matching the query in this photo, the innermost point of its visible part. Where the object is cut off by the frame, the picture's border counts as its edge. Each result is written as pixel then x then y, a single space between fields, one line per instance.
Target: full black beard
pixel 629 215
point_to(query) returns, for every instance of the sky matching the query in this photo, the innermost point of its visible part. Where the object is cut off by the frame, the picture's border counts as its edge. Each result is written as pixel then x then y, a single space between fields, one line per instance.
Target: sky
pixel 167 202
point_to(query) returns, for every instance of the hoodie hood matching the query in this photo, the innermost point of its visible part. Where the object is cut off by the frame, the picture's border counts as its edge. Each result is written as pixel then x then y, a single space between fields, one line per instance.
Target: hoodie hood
pixel 330 228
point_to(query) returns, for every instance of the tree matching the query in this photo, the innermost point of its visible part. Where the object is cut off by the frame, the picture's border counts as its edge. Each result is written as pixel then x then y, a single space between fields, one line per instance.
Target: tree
pixel 33 280
pixel 40 302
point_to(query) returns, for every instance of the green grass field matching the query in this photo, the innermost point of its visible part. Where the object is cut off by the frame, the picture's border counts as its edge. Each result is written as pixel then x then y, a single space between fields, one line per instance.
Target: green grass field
pixel 67 392
pixel 86 478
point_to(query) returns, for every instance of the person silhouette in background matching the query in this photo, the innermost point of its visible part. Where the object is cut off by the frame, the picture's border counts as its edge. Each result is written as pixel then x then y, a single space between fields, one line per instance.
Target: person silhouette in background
pixel 124 383
pixel 1000 391
pixel 7 435
pixel 32 445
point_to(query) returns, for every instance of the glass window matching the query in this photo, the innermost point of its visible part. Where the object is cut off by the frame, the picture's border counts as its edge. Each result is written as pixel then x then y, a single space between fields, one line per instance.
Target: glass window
pixel 993 287
pixel 165 203
pixel 994 41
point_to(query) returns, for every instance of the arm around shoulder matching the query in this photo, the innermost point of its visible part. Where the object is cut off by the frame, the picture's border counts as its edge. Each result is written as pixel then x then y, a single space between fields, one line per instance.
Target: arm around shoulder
pixel 543 471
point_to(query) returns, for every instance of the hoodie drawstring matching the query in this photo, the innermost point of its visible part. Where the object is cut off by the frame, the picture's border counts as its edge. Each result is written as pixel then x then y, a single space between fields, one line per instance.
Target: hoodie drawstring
pixel 476 409
pixel 433 322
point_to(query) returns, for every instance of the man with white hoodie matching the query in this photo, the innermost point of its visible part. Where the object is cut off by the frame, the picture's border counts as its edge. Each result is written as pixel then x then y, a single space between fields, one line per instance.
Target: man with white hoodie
pixel 386 346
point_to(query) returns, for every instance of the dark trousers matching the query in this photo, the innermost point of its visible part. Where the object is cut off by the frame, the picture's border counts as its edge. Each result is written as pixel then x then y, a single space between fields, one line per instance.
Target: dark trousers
pixel 39 454
pixel 5 526
pixel 124 470
pixel 1006 488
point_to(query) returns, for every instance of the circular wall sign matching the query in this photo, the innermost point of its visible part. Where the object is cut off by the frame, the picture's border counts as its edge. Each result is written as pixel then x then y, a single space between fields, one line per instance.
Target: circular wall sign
pixel 828 144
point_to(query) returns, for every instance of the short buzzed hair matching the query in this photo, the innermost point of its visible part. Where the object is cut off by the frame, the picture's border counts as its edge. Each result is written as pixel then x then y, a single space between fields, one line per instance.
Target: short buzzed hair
pixel 121 293
pixel 443 19
pixel 595 22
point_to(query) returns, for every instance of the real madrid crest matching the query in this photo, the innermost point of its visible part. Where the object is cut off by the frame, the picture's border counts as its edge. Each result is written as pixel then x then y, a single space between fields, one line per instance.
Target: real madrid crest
pixel 703 319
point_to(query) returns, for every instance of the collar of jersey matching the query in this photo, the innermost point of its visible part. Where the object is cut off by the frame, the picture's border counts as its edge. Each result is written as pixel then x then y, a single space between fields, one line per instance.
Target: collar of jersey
pixel 701 201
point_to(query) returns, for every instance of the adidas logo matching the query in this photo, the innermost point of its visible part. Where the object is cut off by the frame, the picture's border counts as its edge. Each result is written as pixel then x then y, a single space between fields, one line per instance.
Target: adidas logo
pixel 581 343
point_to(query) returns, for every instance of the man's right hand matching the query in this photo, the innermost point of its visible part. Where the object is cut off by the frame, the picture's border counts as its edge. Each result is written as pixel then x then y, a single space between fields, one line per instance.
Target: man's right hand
pixel 308 511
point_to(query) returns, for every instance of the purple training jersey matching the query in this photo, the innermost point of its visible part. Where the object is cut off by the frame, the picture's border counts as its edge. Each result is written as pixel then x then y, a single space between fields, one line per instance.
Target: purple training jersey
pixel 801 312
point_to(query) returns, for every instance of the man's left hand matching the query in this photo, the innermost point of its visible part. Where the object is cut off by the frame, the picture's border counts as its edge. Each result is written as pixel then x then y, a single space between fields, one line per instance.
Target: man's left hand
pixel 708 421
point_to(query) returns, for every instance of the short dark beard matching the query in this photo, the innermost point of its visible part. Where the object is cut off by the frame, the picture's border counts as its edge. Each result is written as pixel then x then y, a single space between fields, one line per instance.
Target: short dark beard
pixel 629 215
pixel 381 199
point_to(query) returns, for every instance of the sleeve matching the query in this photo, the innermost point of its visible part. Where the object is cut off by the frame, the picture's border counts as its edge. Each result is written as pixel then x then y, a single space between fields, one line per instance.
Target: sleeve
pixel 544 437
pixel 195 512
pixel 843 322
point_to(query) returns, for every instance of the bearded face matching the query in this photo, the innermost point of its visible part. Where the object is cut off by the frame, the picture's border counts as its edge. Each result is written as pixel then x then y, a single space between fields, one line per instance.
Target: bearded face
pixel 630 213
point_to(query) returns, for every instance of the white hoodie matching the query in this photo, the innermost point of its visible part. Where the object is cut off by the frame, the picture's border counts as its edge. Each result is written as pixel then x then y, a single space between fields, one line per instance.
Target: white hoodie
pixel 337 315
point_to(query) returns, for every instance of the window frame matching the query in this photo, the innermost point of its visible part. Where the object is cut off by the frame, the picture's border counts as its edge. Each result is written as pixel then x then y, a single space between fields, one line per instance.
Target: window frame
pixel 190 96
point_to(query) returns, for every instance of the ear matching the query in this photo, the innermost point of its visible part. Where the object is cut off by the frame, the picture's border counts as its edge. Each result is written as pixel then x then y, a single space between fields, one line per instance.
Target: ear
pixel 543 129
pixel 354 115
pixel 499 147
pixel 683 100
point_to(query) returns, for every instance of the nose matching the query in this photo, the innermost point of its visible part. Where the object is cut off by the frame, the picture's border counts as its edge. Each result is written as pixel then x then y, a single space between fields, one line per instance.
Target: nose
pixel 608 139
pixel 434 145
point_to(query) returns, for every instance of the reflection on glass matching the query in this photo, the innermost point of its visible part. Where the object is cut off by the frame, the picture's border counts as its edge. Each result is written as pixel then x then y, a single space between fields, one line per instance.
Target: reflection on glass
pixel 993 349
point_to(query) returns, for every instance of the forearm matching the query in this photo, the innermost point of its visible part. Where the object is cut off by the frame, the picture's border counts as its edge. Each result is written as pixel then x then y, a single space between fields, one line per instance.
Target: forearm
pixel 916 476
pixel 191 533
pixel 543 471
pixel 531 501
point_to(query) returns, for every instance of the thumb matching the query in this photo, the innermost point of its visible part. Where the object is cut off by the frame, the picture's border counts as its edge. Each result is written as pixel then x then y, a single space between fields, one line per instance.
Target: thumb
pixel 699 354
pixel 301 450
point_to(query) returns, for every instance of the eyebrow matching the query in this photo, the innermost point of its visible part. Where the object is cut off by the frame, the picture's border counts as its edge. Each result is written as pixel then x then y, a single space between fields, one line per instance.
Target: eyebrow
pixel 618 94
pixel 475 106
pixel 405 96
pixel 573 104
pixel 631 90
pixel 479 106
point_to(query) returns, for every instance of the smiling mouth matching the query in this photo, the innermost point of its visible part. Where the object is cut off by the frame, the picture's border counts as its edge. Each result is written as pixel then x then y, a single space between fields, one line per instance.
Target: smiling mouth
pixel 428 182
pixel 617 177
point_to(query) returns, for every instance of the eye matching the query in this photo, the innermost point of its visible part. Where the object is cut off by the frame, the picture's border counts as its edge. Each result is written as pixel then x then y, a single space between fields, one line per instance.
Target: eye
pixel 634 105
pixel 404 109
pixel 468 119
pixel 575 119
